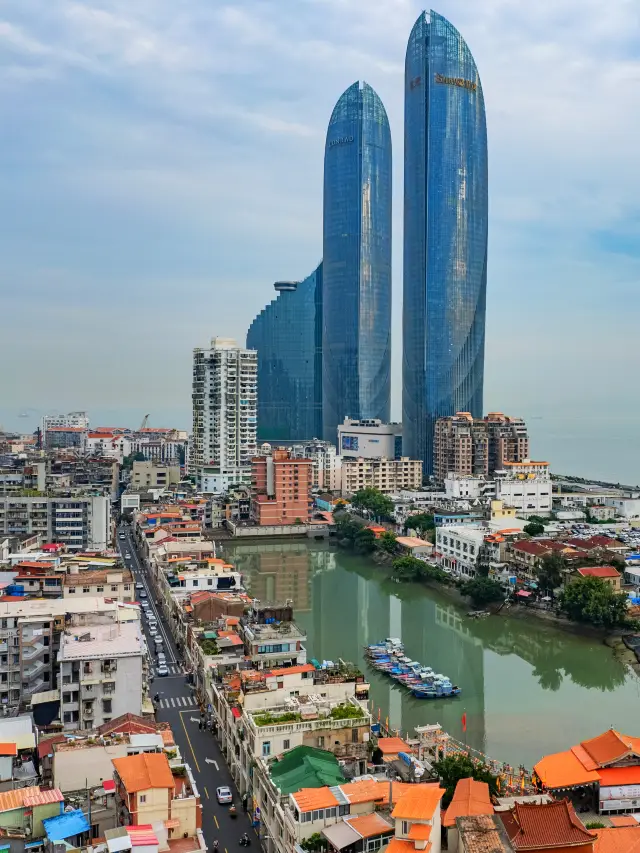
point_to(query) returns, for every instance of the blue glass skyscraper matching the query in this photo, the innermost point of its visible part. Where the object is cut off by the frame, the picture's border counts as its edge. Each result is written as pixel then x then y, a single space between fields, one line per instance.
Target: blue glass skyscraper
pixel 445 233
pixel 288 337
pixel 356 329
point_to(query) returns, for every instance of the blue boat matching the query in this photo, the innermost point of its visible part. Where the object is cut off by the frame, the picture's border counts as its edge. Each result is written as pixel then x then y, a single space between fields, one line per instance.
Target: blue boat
pixel 430 693
pixel 423 682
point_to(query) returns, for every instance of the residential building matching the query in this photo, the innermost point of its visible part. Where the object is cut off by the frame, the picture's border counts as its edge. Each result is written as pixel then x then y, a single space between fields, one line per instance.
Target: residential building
pixel 272 639
pixel 101 673
pixel 73 420
pixel 445 204
pixel 465 446
pixel 626 508
pixel 23 810
pixel 81 522
pixel 112 582
pixel 458 549
pixel 525 555
pixel 116 445
pixel 29 636
pixel 224 414
pixel 470 798
pixel 287 336
pixel 327 464
pixel 150 792
pixel 281 489
pixel 369 439
pixel 608 574
pixel 549 827
pixel 459 487
pixel 356 287
pixel 528 496
pixel 481 834
pixel 417 819
pixel 527 469
pixel 387 475
pixel 154 475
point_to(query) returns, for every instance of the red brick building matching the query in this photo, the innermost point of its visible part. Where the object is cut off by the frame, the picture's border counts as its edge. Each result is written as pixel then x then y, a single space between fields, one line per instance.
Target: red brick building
pixel 281 489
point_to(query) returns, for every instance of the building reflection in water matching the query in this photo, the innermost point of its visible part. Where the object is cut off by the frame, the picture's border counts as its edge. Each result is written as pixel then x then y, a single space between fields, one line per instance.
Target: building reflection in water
pixel 344 603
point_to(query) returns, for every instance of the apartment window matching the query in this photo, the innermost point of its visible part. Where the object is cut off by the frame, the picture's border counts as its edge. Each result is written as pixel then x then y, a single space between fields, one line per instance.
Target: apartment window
pixel 305 817
pixel 99 589
pixel 106 706
pixel 66 697
pixel 317 814
pixel 45 641
pixel 405 827
pixel 266 748
pixel 286 744
pixel 321 741
pixel 343 810
pixel 72 590
pixel 67 716
pixel 330 812
pixel 142 798
pixel 127 586
pixel 114 588
pixel 209 581
pixel 86 589
pixel 16 641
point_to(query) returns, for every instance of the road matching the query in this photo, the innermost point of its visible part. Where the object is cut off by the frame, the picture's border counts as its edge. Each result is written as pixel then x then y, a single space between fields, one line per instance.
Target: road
pixel 179 707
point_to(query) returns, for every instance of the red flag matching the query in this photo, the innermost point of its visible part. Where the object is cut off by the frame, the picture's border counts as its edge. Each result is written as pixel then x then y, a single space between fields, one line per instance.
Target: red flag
pixel 464 722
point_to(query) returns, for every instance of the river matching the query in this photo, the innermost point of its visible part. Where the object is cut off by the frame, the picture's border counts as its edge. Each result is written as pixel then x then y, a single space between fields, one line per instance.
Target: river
pixel 528 689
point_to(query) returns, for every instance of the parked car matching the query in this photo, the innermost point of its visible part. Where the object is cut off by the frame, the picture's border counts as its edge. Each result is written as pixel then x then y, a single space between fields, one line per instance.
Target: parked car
pixel 157 641
pixel 139 586
pixel 121 536
pixel 162 671
pixel 153 631
pixel 142 593
pixel 162 658
pixel 224 795
pixel 127 555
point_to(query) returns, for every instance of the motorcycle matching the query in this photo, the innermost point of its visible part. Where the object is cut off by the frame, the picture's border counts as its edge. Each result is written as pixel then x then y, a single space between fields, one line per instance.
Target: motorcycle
pixel 245 841
pixel 232 810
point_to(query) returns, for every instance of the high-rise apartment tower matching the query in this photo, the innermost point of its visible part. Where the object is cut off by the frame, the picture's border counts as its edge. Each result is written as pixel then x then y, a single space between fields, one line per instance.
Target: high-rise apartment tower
pixel 356 329
pixel 445 233
pixel 224 414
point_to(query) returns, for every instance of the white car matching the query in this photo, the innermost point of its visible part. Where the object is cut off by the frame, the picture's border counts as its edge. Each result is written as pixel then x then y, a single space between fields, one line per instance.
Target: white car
pixel 162 671
pixel 157 640
pixel 127 555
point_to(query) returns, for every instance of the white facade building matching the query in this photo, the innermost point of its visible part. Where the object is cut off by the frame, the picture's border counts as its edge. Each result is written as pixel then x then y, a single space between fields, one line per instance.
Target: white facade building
pixel 458 549
pixel 225 383
pixel 624 507
pixel 527 497
pixel 106 444
pixel 101 673
pixel 81 522
pixel 327 464
pixel 78 420
pixel 468 488
pixel 369 439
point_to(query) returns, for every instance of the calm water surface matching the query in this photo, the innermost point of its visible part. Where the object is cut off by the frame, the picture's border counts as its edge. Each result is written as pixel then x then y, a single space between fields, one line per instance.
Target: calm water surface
pixel 528 689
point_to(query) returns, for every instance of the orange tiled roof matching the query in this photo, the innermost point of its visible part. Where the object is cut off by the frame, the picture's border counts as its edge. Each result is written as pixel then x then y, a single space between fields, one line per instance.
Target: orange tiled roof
pixel 399 845
pixel 624 839
pixel 419 803
pixel 144 771
pixel 167 737
pixel 564 770
pixel 369 825
pixel 624 820
pixel 392 745
pixel 365 791
pixel 292 670
pixel 420 832
pixel 8 749
pixel 608 747
pixel 539 825
pixel 10 800
pixel 599 572
pixel 44 797
pixel 470 798
pixel 308 799
pixel 613 776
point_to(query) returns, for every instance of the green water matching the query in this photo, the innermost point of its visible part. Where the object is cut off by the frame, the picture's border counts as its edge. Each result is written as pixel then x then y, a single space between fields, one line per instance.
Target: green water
pixel 528 689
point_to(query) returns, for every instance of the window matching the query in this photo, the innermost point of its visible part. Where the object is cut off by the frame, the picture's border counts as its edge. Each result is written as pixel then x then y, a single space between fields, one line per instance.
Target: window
pixel 305 817
pixel 405 827
pixel 106 706
pixel 209 581
pixel 127 586
pixel 321 741
pixel 330 812
pixel 317 814
pixel 286 744
pixel 142 798
pixel 72 590
pixel 86 589
pixel 114 587
pixel 266 748
pixel 99 589
pixel 67 716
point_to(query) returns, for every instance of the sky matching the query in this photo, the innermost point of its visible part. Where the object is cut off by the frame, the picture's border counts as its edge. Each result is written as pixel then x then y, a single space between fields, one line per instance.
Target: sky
pixel 161 167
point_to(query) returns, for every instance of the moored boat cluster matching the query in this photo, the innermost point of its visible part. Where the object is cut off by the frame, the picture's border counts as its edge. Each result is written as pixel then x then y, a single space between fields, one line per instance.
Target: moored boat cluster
pixel 388 657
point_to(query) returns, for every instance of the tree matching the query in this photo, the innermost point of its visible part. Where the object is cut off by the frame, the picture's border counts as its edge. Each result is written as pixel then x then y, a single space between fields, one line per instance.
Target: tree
pixel 594 601
pixel 314 843
pixel 550 571
pixel 347 528
pixel 422 522
pixel 534 528
pixel 374 502
pixel 413 569
pixel 365 540
pixel 455 767
pixel 483 590
pixel 387 542
pixel 298 520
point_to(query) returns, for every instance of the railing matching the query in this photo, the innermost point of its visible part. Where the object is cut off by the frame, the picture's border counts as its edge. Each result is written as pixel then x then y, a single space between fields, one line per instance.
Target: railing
pixel 327 723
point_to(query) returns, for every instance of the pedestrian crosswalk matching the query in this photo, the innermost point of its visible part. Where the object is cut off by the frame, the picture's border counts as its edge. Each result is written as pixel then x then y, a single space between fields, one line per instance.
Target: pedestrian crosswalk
pixel 178 702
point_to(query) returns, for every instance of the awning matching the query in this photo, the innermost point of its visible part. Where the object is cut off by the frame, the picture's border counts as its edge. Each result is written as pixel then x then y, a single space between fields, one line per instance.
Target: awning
pixel 65 825
pixel 46 696
pixel 523 593
pixel 237 713
pixel 172 823
pixel 341 835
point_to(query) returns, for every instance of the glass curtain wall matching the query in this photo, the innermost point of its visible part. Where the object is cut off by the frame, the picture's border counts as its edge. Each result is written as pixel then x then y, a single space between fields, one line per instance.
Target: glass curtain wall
pixel 356 342
pixel 287 336
pixel 445 233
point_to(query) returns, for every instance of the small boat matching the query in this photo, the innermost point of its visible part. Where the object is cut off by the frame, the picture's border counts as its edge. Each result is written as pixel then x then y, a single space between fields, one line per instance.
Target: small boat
pixel 430 693
pixel 422 681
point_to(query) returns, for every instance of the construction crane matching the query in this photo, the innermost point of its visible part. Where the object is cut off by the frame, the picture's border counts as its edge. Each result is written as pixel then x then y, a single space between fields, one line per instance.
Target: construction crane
pixel 144 423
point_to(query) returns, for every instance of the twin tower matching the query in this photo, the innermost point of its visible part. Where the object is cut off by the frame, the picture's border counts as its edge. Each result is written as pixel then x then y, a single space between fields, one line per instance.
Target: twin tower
pixel 324 345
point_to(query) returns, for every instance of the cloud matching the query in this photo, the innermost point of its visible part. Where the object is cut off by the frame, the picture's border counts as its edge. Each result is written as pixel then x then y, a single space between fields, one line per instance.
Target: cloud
pixel 170 155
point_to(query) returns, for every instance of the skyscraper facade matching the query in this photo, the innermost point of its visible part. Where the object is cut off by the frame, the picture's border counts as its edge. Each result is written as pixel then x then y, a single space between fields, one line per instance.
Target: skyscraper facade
pixel 356 329
pixel 224 415
pixel 445 233
pixel 287 335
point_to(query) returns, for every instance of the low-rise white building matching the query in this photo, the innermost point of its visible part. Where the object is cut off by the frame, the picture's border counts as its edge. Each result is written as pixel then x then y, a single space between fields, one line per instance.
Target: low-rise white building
pixel 458 549
pixel 526 496
pixel 369 439
pixel 624 507
pixel 101 673
pixel 471 488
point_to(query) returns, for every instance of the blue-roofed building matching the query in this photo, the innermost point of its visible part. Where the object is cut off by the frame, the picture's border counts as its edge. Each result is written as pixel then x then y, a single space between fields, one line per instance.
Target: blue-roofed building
pixel 68 825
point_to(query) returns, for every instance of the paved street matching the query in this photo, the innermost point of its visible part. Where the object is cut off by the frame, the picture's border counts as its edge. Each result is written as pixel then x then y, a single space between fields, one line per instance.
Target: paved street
pixel 178 706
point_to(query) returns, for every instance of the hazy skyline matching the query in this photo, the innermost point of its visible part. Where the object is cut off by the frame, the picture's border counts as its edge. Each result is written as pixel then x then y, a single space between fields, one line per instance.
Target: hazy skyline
pixel 163 166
